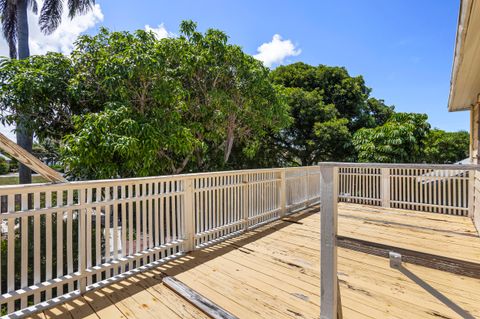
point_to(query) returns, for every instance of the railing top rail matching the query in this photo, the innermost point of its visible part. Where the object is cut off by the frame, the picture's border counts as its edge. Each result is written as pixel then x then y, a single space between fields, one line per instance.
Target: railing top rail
pixel 178 177
pixel 133 180
pixel 403 165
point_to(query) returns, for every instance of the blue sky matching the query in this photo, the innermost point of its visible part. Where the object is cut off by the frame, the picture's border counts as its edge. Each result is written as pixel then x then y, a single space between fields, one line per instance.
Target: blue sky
pixel 403 48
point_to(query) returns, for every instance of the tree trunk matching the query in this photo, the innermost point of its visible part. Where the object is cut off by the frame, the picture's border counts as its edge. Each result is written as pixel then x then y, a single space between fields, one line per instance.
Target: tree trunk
pixel 230 138
pixel 24 136
pixel 22 18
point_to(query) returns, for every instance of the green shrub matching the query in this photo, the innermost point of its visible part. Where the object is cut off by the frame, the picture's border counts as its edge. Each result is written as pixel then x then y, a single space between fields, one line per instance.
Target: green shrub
pixel 4 168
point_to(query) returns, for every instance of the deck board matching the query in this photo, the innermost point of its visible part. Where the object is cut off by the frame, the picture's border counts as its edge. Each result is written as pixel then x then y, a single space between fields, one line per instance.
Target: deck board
pixel 274 272
pixel 438 234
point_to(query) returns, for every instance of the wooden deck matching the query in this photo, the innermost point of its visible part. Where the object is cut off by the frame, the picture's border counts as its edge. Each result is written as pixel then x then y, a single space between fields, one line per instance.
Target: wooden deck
pixel 437 234
pixel 274 272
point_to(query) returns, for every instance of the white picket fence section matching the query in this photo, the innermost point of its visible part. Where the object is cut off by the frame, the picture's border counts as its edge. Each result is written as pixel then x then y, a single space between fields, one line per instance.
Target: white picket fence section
pixel 431 188
pixel 303 187
pixel 60 240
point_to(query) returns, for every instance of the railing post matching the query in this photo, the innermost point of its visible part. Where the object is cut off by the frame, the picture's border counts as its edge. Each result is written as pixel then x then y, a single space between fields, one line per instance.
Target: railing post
pixel 189 215
pixel 385 186
pixel 245 202
pixel 328 242
pixel 283 192
pixel 306 187
pixel 82 256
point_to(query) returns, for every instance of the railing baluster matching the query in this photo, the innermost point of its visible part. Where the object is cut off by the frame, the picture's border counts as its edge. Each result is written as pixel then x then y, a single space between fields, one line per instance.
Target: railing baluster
pixel 59 242
pixel 24 243
pixel 106 208
pixel 116 233
pixel 48 243
pixel 89 230
pixel 385 187
pixel 83 235
pixel 130 224
pixel 123 189
pixel 189 217
pixel 11 250
pixel 283 192
pixel 246 202
pixel 70 236
pixel 36 246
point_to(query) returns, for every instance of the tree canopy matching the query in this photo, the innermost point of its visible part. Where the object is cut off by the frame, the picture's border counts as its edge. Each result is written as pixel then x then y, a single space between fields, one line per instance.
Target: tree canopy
pixel 348 94
pixel 327 106
pixel 446 147
pixel 400 140
pixel 129 104
pixel 166 106
pixel 316 134
pixel 35 91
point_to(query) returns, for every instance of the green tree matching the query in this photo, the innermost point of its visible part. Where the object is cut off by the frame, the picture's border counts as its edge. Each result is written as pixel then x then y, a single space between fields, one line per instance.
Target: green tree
pixel 47 150
pixel 349 95
pixel 316 133
pixel 4 167
pixel 328 106
pixel 166 106
pixel 14 19
pixel 400 140
pixel 446 147
pixel 36 90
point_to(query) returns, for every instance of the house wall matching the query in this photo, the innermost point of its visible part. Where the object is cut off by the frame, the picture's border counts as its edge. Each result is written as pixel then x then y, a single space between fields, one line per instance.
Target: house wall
pixel 474 155
pixel 474 132
pixel 476 201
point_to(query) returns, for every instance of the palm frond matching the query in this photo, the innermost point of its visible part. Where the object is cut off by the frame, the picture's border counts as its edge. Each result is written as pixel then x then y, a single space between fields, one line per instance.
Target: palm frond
pixel 33 6
pixel 8 16
pixel 50 15
pixel 76 7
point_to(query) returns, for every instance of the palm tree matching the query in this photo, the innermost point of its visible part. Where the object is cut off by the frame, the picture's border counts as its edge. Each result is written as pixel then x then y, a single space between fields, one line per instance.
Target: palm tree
pixel 14 19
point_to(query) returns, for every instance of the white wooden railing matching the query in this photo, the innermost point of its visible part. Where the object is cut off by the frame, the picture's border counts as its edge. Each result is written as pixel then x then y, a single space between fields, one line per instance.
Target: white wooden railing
pixel 60 240
pixel 446 189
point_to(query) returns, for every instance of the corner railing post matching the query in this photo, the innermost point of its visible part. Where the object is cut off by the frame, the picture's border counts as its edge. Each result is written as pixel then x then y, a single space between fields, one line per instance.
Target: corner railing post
pixel 189 235
pixel 283 192
pixel 245 202
pixel 328 242
pixel 385 186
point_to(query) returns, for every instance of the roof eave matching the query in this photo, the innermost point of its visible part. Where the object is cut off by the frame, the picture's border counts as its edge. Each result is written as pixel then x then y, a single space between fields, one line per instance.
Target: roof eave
pixel 462 28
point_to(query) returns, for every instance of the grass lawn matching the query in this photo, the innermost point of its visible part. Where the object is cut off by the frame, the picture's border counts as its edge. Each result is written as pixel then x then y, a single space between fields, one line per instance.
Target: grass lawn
pixel 12 180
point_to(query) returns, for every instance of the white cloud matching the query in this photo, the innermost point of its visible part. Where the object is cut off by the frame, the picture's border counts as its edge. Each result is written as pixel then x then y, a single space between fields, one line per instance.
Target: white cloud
pixel 276 51
pixel 61 40
pixel 160 31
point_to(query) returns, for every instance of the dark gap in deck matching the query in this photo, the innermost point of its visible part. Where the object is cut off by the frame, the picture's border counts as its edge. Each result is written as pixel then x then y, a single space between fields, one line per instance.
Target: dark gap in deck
pixel 452 265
